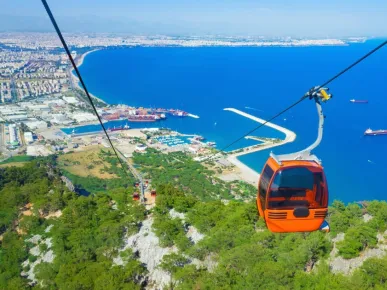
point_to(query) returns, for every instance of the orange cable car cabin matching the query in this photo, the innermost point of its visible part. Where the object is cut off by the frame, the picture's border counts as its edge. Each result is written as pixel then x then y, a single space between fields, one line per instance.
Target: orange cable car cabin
pixel 293 196
pixel 292 190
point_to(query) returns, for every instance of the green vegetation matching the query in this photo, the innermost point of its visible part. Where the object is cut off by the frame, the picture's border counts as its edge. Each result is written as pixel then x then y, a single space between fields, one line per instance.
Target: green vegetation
pixel 97 102
pixel 181 170
pixel 86 237
pixel 188 175
pixel 106 162
pixel 21 158
pixel 237 242
pixel 359 235
pixel 356 240
pixel 243 189
pixel 19 186
pixel 171 231
pixel 235 250
pixel 250 257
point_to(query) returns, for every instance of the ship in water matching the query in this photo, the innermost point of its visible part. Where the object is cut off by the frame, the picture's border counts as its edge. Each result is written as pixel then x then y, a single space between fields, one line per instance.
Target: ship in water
pixel 119 128
pixel 145 118
pixel 359 101
pixel 179 114
pixel 211 144
pixel 198 138
pixel 370 132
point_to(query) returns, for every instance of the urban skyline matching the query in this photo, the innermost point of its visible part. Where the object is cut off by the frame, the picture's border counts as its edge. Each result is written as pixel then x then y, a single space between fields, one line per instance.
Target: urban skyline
pixel 297 19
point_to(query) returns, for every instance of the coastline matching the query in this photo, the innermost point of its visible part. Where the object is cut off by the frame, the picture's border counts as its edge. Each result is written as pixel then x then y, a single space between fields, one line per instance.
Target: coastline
pixel 78 62
pixel 247 173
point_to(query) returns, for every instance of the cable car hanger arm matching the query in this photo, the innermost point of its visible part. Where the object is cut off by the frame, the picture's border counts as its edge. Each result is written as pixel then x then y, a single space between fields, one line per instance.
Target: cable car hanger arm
pixel 306 154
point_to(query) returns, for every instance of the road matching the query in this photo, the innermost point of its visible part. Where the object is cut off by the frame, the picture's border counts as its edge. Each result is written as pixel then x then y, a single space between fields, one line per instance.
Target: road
pixel 1 135
pixel 5 154
pixel 136 174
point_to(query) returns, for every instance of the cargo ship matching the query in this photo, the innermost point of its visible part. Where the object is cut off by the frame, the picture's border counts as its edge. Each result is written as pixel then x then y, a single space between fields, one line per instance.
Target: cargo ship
pixel 179 114
pixel 119 128
pixel 370 132
pixel 144 118
pixel 359 101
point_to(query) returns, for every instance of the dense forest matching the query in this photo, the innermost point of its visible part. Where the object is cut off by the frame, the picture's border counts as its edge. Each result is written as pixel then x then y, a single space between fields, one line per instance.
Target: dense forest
pixel 52 238
pixel 248 256
pixel 83 238
pixel 189 176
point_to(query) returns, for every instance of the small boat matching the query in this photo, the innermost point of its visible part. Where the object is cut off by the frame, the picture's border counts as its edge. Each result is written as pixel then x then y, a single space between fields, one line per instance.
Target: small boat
pixel 359 101
pixel 370 132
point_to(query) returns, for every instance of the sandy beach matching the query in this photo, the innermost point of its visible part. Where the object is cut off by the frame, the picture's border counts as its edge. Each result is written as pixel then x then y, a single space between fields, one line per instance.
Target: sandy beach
pixel 79 61
pixel 246 173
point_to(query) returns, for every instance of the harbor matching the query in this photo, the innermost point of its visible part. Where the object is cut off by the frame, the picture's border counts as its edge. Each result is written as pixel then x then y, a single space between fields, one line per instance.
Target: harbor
pixel 140 114
pixel 173 140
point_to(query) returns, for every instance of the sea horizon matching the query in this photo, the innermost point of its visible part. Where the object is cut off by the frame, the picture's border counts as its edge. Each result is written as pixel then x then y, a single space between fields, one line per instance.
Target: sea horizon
pixel 259 81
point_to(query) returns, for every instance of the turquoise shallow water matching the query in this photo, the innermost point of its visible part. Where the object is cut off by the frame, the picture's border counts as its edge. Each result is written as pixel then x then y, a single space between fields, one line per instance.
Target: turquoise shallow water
pixel 260 81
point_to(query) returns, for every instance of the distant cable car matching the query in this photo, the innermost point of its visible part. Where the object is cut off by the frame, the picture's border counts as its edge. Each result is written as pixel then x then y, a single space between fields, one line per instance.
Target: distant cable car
pixel 292 190
pixel 136 196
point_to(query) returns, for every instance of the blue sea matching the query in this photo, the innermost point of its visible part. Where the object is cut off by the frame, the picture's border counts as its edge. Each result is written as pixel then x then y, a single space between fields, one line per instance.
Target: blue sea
pixel 261 81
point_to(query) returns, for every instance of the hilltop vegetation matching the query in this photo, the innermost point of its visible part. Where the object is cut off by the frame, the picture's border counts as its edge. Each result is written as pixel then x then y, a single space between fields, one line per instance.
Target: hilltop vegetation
pixel 250 257
pixel 87 163
pixel 86 235
pixel 234 249
pixel 189 176
pixel 95 171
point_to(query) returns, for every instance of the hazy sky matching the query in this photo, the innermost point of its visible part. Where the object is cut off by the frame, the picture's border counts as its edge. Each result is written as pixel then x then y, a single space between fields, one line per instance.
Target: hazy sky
pixel 328 18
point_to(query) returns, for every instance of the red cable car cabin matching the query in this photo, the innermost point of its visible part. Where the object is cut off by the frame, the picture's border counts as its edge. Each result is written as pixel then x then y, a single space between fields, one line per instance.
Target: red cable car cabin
pixel 292 196
pixel 292 190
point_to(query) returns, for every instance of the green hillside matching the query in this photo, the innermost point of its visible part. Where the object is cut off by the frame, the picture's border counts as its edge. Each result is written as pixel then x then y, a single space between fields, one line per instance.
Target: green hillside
pixel 52 238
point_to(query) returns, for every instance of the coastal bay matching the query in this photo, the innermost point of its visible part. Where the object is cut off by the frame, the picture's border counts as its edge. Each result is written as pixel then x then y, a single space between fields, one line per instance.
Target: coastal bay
pixel 206 80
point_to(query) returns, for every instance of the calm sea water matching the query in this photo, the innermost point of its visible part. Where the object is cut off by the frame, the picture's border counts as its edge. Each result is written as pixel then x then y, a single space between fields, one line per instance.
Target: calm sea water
pixel 203 81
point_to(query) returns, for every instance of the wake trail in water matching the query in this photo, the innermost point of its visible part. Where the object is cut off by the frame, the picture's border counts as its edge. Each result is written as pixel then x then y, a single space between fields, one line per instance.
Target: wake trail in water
pixel 254 109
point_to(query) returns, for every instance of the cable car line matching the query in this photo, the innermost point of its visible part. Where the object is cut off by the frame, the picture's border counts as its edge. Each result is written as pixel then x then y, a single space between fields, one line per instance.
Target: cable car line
pixel 308 94
pixel 53 21
pixel 293 191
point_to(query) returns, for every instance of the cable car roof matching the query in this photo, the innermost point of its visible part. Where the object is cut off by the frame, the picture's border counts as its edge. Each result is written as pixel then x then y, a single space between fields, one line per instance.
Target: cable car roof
pixel 283 159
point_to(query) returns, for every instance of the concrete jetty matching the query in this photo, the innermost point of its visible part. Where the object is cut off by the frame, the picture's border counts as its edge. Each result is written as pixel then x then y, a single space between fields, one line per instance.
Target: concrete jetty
pixel 248 173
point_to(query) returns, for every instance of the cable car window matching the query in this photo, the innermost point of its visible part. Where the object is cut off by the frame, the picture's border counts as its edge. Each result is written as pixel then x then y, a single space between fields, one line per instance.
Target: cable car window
pixel 321 194
pixel 295 187
pixel 264 181
pixel 298 177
